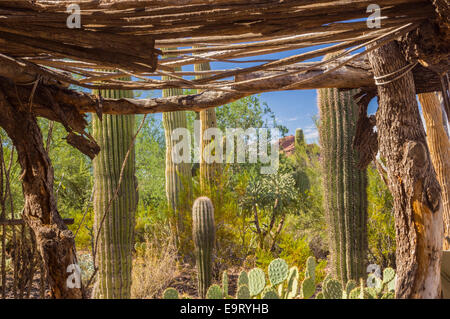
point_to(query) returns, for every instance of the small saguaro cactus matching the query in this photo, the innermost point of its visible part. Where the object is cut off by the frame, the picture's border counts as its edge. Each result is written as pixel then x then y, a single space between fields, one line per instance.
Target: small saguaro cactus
pixel 203 231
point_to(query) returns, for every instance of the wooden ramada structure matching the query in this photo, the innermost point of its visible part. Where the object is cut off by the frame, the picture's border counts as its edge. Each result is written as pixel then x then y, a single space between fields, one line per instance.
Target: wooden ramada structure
pixel 407 54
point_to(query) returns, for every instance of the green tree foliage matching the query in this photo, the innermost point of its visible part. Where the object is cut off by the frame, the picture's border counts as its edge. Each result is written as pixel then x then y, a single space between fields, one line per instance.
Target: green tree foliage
pixel 73 170
pixel 247 112
pixel 305 165
pixel 381 223
pixel 150 165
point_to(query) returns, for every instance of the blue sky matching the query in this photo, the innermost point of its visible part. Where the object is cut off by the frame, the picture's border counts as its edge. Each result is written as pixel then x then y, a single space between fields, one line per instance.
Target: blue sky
pixel 294 109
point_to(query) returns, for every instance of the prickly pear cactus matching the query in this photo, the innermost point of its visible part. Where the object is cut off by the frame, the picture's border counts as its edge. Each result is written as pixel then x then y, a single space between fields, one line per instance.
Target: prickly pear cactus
pixel 214 292
pixel 332 289
pixel 310 267
pixel 359 292
pixel 243 292
pixel 355 293
pixel 351 284
pixel 225 283
pixel 269 293
pixel 292 283
pixel 243 278
pixel 388 275
pixel 203 231
pixel 256 281
pixel 170 293
pixel 308 288
pixel 320 296
pixel 278 271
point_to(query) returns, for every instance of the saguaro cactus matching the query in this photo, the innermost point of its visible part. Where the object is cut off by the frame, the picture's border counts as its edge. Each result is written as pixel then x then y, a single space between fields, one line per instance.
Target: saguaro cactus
pixel 299 138
pixel 114 134
pixel 178 175
pixel 203 232
pixel 208 171
pixel 344 183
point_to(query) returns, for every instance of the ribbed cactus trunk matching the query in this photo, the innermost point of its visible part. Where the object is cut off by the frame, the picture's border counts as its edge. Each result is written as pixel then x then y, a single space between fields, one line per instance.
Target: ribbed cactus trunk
pixel 114 134
pixel 209 172
pixel 203 233
pixel 178 175
pixel 344 184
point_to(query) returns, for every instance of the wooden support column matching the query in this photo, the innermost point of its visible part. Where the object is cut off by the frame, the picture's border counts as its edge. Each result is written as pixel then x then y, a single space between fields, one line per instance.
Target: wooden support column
pixel 439 145
pixel 54 241
pixel 411 176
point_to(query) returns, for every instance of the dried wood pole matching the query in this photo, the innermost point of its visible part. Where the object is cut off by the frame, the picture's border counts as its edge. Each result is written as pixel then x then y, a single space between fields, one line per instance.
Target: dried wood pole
pixel 54 241
pixel 439 145
pixel 411 176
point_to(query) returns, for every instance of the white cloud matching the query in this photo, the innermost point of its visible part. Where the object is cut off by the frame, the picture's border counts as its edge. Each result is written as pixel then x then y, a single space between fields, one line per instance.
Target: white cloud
pixel 311 134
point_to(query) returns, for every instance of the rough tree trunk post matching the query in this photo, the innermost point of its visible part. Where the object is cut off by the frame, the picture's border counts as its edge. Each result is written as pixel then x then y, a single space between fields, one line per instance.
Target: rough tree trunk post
pixel 439 145
pixel 412 179
pixel 54 241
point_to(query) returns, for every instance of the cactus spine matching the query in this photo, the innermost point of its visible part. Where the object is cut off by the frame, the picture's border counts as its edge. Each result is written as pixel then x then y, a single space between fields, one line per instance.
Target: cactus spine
pixel 344 183
pixel 203 231
pixel 208 171
pixel 178 176
pixel 114 134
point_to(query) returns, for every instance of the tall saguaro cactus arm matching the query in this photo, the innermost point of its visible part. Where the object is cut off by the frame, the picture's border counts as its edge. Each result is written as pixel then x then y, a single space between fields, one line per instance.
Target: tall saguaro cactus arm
pixel 344 183
pixel 203 232
pixel 114 134
pixel 208 171
pixel 178 175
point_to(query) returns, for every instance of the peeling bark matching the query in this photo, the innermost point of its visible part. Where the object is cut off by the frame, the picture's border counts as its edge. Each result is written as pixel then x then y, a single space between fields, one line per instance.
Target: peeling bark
pixel 439 145
pixel 412 179
pixel 55 242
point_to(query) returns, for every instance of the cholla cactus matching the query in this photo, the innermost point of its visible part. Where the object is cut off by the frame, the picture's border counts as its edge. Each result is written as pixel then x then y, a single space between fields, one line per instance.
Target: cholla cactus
pixel 203 231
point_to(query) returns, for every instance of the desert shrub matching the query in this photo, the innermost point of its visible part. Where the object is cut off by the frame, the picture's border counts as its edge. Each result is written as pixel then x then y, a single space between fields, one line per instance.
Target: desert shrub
pixel 86 264
pixel 155 265
pixel 84 237
pixel 381 224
